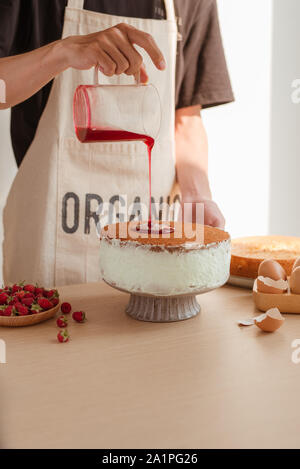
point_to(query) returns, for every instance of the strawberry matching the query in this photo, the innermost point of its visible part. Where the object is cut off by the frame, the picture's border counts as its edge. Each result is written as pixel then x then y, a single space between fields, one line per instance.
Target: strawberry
pixel 54 301
pixel 3 298
pixel 28 295
pixel 29 288
pixel 63 336
pixel 79 316
pixel 9 311
pixel 62 321
pixel 39 291
pixel 15 288
pixel 39 295
pixel 21 309
pixel 45 304
pixel 51 294
pixel 12 300
pixel 27 301
pixel 66 308
pixel 21 294
pixel 35 308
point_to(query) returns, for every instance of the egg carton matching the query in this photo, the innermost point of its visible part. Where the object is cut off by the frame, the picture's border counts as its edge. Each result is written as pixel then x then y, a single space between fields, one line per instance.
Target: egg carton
pixel 286 302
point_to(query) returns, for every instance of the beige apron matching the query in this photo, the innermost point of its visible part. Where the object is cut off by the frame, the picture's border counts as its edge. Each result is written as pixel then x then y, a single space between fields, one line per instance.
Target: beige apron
pixel 52 209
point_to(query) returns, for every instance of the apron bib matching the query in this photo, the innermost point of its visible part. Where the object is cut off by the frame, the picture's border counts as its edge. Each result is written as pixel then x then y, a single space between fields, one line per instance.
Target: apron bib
pixel 50 218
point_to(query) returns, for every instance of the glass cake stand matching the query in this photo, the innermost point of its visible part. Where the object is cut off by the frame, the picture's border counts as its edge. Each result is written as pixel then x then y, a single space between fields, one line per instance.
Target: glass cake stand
pixel 146 307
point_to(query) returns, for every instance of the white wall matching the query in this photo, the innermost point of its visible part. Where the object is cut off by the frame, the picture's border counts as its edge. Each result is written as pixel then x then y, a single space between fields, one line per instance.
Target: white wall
pixel 285 123
pixel 239 133
pixel 7 169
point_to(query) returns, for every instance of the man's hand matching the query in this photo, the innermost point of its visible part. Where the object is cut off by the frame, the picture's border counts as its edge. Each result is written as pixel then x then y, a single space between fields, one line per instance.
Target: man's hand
pixel 212 214
pixel 113 51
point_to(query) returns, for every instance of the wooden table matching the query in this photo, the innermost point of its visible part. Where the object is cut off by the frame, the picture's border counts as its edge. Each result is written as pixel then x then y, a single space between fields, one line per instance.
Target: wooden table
pixel 120 383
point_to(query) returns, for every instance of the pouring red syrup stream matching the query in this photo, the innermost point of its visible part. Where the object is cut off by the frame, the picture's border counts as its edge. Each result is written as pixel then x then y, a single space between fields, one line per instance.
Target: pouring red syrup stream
pixel 88 135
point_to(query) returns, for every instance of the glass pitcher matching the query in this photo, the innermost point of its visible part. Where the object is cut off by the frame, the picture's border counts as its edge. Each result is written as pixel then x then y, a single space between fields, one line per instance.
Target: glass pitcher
pixel 116 112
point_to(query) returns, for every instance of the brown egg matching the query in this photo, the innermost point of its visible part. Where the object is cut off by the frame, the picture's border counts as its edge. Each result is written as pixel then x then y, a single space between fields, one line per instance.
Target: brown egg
pixel 271 277
pixel 270 321
pixel 295 281
pixel 296 263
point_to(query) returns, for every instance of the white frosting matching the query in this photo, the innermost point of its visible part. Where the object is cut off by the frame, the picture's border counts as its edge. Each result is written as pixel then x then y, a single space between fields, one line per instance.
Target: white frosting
pixel 137 268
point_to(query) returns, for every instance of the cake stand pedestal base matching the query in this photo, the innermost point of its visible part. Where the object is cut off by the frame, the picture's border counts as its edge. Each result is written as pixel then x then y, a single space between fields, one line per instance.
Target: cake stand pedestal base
pixel 162 308
pixel 147 307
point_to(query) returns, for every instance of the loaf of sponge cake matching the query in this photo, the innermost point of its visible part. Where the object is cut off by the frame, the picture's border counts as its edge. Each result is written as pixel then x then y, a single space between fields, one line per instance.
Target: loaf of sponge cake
pixel 247 253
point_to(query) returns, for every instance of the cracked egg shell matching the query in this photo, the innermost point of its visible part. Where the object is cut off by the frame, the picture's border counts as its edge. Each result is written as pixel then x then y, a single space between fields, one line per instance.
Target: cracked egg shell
pixel 273 273
pixel 270 321
pixel 295 281
pixel 296 263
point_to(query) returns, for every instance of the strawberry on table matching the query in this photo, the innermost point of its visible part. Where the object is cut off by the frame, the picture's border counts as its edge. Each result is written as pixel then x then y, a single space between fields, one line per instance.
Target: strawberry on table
pixel 63 336
pixel 62 321
pixel 66 308
pixel 79 316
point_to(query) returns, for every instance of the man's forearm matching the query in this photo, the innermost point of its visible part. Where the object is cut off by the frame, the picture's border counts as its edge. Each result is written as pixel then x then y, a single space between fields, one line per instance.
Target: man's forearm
pixel 191 154
pixel 192 168
pixel 26 74
pixel 112 50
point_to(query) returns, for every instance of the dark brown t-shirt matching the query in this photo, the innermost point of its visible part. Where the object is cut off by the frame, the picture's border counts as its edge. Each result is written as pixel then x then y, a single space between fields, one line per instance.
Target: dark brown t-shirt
pixel 201 72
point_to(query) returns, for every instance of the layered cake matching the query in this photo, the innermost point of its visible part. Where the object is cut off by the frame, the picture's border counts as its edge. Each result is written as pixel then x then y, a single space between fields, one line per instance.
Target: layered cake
pixel 173 259
pixel 249 252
